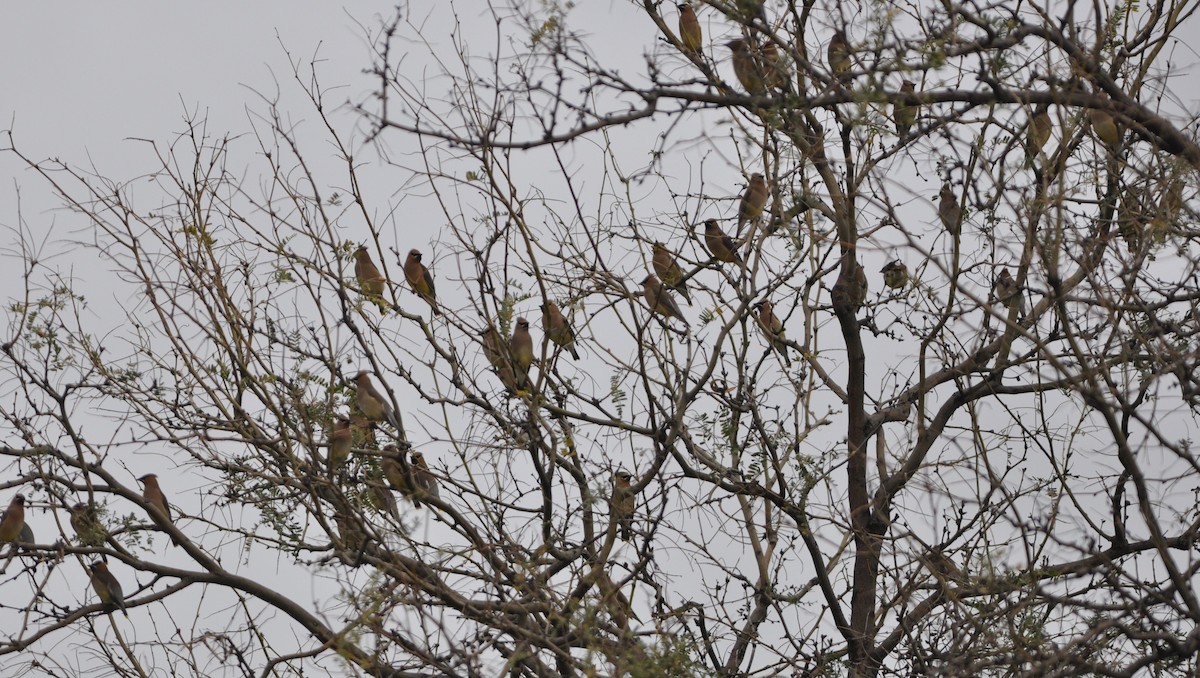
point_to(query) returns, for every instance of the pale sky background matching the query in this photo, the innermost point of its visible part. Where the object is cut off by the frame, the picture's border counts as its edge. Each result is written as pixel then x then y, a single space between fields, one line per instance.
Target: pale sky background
pixel 79 80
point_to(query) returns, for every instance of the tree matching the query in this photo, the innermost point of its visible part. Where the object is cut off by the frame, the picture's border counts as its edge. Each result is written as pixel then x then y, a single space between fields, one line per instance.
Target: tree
pixel 979 465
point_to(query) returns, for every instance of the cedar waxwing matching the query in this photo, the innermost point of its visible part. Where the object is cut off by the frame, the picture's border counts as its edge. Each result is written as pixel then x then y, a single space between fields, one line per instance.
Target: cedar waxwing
pixel 153 495
pixel 1104 126
pixel 13 521
pixel 1131 220
pixel 107 587
pixel 745 67
pixel 382 497
pixel 773 66
pixel 669 272
pixel 859 286
pixel 949 210
pixel 1006 290
pixel 1156 219
pixel 420 280
pixel 349 532
pixel 362 431
pixel 86 523
pixel 1038 133
pixel 621 505
pixel 1165 212
pixel 895 275
pixel 749 10
pixel 508 377
pixel 1173 202
pixel 493 347
pixel 772 329
pixel 555 324
pixel 341 439
pixel 839 55
pixel 496 352
pixel 905 114
pixel 424 482
pixel 659 299
pixel 520 349
pixel 721 246
pixel 809 139
pixel 689 29
pixel 616 605
pixel 394 473
pixel 754 201
pixel 942 567
pixel 371 402
pixel 370 280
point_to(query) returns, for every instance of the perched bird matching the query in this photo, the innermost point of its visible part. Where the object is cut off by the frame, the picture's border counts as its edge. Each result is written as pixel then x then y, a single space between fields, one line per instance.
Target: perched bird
pixel 496 352
pixel 1007 291
pixel 721 246
pixel 382 497
pixel 772 328
pixel 905 114
pixel 520 349
pixel 395 473
pixel 809 138
pixel 1164 210
pixel 949 210
pixel 1104 126
pixel 839 55
pixel 508 377
pixel 746 67
pixel 371 402
pixel 493 347
pixel 425 484
pixel 1132 219
pixel 942 567
pixel 773 66
pixel 622 504
pixel 859 286
pixel 754 201
pixel 749 10
pixel 1171 204
pixel 88 529
pixel 895 275
pixel 555 324
pixel 689 28
pixel 370 280
pixel 420 280
pixel 1038 133
pixel 659 299
pixel 349 531
pixel 341 439
pixel 107 587
pixel 362 431
pixel 153 495
pixel 13 521
pixel 669 272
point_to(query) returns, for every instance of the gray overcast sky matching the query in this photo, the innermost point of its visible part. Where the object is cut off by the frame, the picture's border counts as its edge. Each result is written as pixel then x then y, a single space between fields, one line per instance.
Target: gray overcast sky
pixel 81 78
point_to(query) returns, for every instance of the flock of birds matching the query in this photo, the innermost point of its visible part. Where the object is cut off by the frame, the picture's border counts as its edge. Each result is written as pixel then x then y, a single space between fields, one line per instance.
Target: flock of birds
pixel 90 532
pixel 759 68
pixel 762 68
